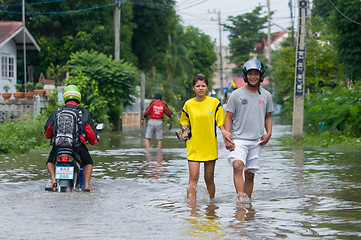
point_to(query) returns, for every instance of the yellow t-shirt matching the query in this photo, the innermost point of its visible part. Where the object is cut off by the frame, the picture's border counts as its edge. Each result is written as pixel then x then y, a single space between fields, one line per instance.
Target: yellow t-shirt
pixel 202 119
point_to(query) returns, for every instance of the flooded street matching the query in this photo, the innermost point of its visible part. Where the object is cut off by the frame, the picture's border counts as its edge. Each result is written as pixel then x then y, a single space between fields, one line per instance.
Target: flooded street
pixel 308 193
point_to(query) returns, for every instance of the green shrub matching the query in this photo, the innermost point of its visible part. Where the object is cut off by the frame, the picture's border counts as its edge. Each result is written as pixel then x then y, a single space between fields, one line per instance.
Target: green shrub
pixel 22 135
pixel 338 109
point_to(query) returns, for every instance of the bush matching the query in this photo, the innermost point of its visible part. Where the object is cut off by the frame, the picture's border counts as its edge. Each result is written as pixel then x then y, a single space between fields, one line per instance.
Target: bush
pixel 22 135
pixel 338 109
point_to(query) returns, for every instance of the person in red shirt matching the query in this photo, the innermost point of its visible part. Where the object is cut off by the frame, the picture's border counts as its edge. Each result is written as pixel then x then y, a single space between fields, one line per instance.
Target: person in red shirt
pixel 155 111
pixel 72 98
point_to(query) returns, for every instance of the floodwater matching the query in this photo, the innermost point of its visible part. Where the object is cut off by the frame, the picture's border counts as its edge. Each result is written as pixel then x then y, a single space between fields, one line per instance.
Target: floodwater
pixel 299 193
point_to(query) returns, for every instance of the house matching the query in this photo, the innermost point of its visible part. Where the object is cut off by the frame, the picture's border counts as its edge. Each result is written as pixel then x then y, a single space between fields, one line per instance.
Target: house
pixel 277 39
pixel 11 41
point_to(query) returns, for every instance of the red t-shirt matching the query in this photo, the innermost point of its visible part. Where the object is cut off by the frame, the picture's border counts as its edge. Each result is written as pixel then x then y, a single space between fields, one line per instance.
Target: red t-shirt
pixel 156 110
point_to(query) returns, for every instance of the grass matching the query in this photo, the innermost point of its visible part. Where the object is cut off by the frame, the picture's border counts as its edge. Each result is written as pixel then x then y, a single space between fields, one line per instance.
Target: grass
pixel 324 139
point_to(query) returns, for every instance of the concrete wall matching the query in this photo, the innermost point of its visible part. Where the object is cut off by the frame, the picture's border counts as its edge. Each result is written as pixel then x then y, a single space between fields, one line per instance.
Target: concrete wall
pixel 14 109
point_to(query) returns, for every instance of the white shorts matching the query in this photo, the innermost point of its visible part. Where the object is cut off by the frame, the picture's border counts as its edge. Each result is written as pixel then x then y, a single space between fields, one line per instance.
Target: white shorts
pixel 248 152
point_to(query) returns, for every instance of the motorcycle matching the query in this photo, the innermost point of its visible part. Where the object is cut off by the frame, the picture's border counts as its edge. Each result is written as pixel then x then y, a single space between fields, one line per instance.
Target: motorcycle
pixel 68 170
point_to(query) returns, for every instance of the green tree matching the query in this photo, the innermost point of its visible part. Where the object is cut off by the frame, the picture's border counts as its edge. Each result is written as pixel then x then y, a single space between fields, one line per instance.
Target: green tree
pixel 91 98
pixel 60 31
pixel 200 50
pixel 245 31
pixel 321 8
pixel 348 38
pixel 189 52
pixel 155 22
pixel 322 66
pixel 343 18
pixel 115 80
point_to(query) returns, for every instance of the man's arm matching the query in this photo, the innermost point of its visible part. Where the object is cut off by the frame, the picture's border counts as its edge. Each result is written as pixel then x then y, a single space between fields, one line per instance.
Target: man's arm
pixel 228 127
pixel 167 112
pixel 146 113
pixel 268 125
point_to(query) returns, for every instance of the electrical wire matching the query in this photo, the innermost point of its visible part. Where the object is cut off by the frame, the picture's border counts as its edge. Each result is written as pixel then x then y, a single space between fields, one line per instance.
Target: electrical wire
pixel 195 4
pixel 71 11
pixel 150 5
pixel 343 13
pixel 26 4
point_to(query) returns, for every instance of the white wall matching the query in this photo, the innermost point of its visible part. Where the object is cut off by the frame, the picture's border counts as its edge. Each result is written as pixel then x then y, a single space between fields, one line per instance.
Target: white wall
pixel 9 48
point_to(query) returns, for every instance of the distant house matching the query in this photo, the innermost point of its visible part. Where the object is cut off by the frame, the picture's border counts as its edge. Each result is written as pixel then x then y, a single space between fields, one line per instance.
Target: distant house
pixel 277 38
pixel 11 41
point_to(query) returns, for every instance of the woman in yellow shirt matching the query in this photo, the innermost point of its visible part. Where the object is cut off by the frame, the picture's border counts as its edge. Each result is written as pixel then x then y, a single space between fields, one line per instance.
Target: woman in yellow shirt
pixel 201 115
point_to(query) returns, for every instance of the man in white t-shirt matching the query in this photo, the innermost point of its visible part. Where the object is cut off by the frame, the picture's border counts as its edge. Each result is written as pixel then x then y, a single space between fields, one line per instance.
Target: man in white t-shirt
pixel 248 115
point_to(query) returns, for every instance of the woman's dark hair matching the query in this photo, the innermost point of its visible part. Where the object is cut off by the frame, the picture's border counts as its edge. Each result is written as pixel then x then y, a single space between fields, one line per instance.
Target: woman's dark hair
pixel 200 77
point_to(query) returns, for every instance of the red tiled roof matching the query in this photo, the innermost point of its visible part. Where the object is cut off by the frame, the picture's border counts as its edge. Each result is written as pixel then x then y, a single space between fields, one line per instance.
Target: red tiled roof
pixel 241 83
pixel 274 37
pixel 8 28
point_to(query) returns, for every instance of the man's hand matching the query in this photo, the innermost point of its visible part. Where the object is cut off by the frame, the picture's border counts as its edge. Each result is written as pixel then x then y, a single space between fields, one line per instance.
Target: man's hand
pixel 142 122
pixel 264 139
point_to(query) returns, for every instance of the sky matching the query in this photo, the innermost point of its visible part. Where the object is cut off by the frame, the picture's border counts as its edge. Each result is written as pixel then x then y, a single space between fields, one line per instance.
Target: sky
pixel 203 14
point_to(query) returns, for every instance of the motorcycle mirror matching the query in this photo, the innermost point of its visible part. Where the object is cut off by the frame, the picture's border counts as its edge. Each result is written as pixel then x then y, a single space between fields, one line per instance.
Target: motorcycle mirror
pixel 100 126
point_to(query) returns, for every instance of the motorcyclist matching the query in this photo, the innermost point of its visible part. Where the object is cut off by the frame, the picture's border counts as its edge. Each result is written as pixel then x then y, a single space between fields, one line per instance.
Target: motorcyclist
pixel 72 98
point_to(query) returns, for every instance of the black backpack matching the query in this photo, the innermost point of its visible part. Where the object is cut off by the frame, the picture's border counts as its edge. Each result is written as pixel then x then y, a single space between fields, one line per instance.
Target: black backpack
pixel 67 127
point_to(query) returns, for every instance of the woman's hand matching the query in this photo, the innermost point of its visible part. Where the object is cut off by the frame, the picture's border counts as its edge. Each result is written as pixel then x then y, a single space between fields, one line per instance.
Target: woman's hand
pixel 184 135
pixel 227 138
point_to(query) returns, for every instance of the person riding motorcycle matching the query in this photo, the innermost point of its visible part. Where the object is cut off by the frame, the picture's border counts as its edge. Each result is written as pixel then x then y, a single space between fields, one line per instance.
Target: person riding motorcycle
pixel 72 98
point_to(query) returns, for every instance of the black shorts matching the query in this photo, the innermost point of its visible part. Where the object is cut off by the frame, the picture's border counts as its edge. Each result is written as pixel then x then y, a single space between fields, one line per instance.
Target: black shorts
pixel 82 151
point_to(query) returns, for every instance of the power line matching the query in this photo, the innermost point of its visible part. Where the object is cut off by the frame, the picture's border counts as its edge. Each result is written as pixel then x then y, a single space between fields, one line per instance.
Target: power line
pixel 150 5
pixel 195 4
pixel 71 11
pixel 26 4
pixel 343 14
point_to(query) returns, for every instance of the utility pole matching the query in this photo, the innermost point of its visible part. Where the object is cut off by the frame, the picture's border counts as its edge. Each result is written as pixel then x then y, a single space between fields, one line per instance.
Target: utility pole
pixel 117 18
pixel 24 43
pixel 220 54
pixel 292 23
pixel 220 70
pixel 269 34
pixel 300 72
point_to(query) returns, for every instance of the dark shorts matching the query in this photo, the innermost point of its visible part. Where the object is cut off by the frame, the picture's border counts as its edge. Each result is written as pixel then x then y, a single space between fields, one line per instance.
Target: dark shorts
pixel 82 151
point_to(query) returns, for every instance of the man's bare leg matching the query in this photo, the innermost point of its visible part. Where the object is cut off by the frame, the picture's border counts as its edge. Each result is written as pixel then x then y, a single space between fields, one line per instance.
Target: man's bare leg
pixel 147 143
pixel 248 183
pixel 238 178
pixel 51 170
pixel 87 173
pixel 159 141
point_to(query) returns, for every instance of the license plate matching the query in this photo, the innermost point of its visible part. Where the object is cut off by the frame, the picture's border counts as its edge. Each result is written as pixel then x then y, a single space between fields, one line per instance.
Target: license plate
pixel 64 172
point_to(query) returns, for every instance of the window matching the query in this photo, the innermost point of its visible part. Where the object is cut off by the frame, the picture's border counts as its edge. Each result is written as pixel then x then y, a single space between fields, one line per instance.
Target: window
pixel 7 66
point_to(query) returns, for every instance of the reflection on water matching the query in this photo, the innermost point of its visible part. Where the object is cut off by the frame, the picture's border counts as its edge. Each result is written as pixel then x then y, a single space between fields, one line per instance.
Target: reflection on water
pixel 299 192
